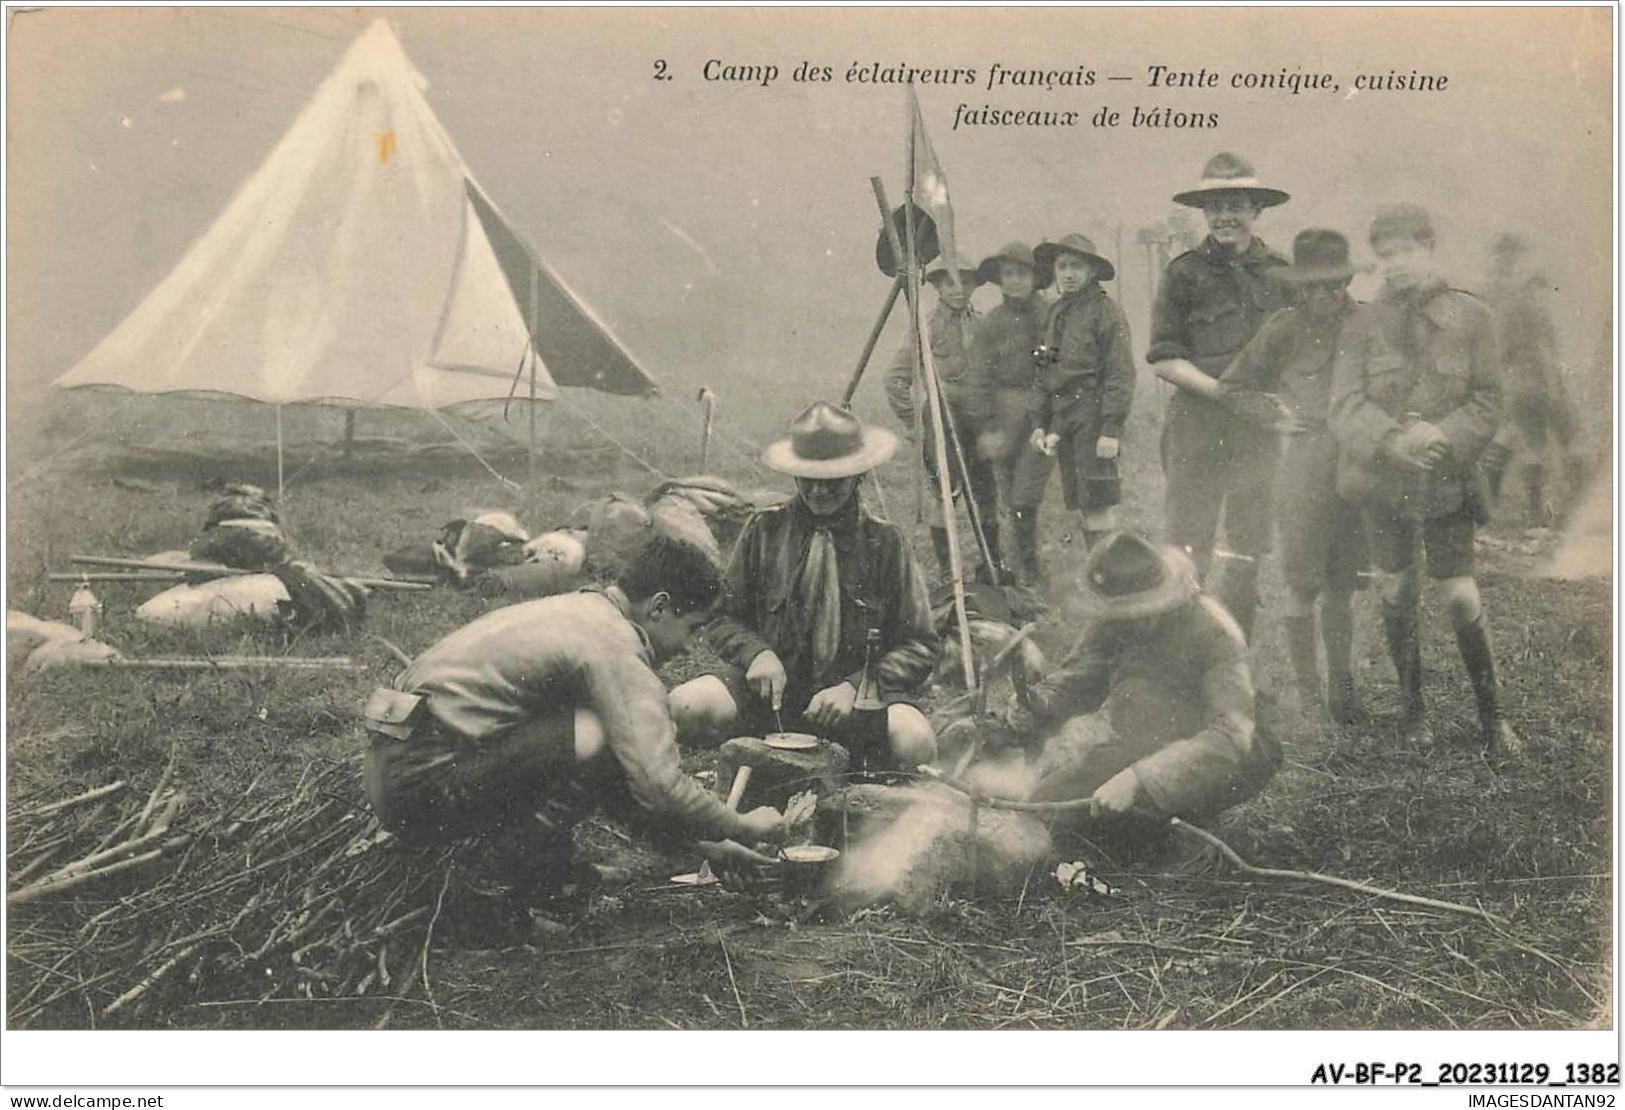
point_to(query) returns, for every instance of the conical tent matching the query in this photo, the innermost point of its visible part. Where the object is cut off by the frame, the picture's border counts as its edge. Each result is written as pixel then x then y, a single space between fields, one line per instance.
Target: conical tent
pixel 357 267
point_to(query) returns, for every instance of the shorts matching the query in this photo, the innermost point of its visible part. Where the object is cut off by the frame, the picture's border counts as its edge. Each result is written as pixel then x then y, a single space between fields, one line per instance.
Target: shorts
pixel 1322 536
pixel 1446 541
pixel 437 785
pixel 1213 460
pixel 1088 484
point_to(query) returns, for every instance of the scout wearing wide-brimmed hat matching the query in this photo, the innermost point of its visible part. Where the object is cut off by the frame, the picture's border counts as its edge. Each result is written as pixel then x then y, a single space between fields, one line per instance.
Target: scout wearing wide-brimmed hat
pixel 807 582
pixel 1416 392
pixel 1001 355
pixel 1085 380
pixel 951 329
pixel 1211 301
pixel 1283 377
pixel 1166 670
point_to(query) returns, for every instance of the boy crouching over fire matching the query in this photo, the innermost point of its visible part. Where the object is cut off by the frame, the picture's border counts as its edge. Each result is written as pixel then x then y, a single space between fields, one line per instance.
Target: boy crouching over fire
pixel 534 714
pixel 1166 667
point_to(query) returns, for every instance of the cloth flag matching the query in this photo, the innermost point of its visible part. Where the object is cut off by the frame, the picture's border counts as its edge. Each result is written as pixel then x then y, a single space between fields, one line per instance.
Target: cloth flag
pixel 930 186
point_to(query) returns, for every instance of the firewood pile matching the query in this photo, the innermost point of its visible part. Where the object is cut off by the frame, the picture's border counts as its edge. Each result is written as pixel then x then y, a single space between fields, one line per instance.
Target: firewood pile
pixel 118 897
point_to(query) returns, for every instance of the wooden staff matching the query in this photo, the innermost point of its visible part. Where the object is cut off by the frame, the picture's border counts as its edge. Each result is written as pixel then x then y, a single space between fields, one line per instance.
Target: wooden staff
pixel 874 333
pixel 232 663
pixel 927 368
pixel 219 570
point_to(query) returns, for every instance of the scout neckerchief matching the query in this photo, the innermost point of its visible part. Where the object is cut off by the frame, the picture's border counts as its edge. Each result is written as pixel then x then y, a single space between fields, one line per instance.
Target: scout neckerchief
pixel 816 583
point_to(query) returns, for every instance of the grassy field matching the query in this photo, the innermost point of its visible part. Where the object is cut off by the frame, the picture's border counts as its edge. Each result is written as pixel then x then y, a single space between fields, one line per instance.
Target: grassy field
pixel 1206 950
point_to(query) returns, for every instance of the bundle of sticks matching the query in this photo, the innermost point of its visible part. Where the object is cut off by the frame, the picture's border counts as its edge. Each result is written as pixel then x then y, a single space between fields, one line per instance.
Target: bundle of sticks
pixel 121 901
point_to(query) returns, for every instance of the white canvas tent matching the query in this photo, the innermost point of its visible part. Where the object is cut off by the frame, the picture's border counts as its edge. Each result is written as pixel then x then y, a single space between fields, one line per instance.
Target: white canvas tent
pixel 361 266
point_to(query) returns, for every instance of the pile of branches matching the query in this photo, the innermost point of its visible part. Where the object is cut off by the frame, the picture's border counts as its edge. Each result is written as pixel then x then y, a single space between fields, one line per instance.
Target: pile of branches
pixel 124 902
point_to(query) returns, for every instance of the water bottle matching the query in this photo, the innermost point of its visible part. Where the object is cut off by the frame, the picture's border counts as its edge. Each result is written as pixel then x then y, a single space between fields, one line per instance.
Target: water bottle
pixel 85 610
pixel 868 727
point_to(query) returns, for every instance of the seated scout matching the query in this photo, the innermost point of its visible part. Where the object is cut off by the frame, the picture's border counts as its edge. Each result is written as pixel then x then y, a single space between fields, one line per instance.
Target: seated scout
pixel 1166 668
pixel 535 713
pixel 808 581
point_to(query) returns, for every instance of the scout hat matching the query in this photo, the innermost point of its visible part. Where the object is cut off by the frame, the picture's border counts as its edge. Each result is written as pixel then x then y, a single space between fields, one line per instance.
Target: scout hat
pixel 1227 173
pixel 1405 221
pixel 1019 253
pixel 1129 576
pixel 1318 254
pixel 828 442
pixel 1077 244
pixel 969 275
pixel 925 239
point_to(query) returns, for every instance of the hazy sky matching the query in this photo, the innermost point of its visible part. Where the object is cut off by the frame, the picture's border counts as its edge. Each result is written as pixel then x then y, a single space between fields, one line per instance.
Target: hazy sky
pixel 726 231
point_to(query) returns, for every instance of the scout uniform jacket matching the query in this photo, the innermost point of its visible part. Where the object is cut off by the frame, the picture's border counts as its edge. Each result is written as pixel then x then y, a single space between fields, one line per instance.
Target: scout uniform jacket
pixel 581 649
pixel 1087 379
pixel 880 588
pixel 1001 353
pixel 1432 352
pixel 1190 664
pixel 1292 356
pixel 951 335
pixel 1212 301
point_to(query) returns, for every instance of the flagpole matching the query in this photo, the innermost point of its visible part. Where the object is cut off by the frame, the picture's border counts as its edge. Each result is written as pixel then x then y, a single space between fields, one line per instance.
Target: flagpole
pixel 530 467
pixel 927 370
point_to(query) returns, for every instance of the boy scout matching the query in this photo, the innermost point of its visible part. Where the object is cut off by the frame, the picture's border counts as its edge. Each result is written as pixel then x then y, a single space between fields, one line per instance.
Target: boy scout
pixel 1002 356
pixel 1537 403
pixel 808 581
pixel 534 713
pixel 1167 670
pixel 1322 538
pixel 1085 380
pixel 1210 303
pixel 1415 397
pixel 951 330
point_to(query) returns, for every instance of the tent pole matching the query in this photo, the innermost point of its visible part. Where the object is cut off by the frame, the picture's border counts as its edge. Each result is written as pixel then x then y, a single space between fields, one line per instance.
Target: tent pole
pixel 530 472
pixel 874 336
pixel 926 366
pixel 347 451
pixel 279 490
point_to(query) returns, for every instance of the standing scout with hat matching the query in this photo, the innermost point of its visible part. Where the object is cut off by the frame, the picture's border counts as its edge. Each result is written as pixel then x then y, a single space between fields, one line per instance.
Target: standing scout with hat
pixel 1210 303
pixel 808 581
pixel 1416 394
pixel 1002 356
pixel 1085 380
pixel 1167 669
pixel 1537 401
pixel 951 329
pixel 1283 379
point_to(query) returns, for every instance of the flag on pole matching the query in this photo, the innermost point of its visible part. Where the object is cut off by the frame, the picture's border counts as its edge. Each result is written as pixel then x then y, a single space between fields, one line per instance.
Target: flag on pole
pixel 930 186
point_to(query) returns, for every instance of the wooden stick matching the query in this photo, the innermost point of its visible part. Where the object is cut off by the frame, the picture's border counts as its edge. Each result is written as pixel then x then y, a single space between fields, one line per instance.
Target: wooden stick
pixel 220 570
pixel 77 799
pixel 874 336
pixel 924 363
pixel 737 791
pixel 150 981
pixel 1229 853
pixel 42 890
pixel 233 663
pixel 112 576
